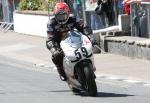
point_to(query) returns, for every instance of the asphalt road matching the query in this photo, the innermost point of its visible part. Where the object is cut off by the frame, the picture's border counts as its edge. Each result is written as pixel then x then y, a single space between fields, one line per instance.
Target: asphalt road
pixel 23 82
pixel 32 49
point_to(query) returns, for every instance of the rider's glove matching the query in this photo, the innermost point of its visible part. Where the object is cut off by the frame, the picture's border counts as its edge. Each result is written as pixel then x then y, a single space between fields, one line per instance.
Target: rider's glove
pixel 90 36
pixel 57 54
pixel 93 41
pixel 89 33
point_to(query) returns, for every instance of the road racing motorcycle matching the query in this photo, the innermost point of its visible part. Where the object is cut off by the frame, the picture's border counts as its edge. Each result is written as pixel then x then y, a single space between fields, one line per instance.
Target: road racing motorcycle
pixel 78 63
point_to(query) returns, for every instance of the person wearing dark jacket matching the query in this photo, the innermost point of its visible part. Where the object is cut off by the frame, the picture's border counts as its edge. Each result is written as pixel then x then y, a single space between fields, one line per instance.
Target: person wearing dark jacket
pixel 57 28
pixel 107 8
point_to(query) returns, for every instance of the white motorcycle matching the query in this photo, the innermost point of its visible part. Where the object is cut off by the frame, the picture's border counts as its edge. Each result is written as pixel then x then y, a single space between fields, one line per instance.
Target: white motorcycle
pixel 78 63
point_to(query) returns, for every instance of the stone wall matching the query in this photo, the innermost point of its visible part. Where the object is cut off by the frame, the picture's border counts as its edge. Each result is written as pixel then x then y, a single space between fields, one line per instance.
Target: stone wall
pixel 135 47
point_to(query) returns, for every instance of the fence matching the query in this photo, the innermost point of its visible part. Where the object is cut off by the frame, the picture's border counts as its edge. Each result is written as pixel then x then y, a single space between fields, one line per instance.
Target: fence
pixel 5 26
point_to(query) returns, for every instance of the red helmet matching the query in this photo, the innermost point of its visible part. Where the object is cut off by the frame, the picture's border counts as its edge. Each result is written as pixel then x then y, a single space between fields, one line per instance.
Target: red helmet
pixel 61 12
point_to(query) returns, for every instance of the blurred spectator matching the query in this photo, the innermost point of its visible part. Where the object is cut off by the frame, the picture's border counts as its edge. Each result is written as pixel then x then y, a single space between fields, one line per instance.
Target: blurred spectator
pixel 119 7
pixel 143 25
pixel 11 9
pixel 108 13
pixel 77 8
pixel 96 22
pixel 1 11
pixel 127 9
pixel 126 6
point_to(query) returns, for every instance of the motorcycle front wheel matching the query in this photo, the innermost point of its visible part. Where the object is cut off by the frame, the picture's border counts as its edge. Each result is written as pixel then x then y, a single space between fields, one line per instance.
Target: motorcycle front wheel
pixel 90 84
pixel 74 90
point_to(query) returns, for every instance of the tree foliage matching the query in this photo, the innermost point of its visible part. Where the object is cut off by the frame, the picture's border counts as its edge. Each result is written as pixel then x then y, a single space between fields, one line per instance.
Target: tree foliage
pixel 52 3
pixel 33 5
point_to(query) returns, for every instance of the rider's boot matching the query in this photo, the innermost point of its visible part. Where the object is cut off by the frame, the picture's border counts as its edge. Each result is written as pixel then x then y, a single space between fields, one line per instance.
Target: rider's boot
pixel 62 73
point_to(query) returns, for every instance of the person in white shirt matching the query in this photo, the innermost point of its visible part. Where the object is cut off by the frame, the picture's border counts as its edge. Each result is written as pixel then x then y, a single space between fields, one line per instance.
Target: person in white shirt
pixel 96 22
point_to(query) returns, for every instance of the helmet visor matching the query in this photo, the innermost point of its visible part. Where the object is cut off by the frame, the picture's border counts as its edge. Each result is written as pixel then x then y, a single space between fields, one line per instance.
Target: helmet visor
pixel 61 18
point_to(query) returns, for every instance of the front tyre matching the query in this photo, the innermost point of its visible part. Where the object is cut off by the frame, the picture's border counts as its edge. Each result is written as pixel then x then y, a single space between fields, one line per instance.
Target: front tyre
pixel 90 84
pixel 74 90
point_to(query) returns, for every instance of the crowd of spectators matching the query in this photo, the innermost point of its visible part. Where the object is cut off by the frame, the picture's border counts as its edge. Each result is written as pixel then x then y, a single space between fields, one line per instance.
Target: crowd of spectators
pixel 107 18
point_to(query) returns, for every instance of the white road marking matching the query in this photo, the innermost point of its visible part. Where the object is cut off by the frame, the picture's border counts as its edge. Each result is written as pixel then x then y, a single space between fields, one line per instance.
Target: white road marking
pixel 113 78
pixel 122 79
pixel 146 84
pixel 40 65
pixel 132 81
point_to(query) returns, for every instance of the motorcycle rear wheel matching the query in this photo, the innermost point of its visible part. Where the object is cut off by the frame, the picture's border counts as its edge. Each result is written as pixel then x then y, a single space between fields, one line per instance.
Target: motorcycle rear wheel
pixel 90 84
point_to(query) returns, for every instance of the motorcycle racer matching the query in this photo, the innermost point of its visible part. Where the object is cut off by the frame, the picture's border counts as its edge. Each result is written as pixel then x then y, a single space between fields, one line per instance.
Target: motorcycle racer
pixel 57 28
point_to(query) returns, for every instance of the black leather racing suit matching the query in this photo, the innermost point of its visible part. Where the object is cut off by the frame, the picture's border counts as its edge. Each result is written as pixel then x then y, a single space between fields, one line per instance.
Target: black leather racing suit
pixel 55 33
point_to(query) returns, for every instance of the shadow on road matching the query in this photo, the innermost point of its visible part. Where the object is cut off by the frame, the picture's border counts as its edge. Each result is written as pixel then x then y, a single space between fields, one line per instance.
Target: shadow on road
pixel 105 95
pixel 102 94
pixel 99 94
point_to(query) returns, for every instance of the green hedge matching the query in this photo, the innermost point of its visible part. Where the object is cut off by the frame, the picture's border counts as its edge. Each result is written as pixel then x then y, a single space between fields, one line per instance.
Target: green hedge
pixel 33 5
pixel 52 4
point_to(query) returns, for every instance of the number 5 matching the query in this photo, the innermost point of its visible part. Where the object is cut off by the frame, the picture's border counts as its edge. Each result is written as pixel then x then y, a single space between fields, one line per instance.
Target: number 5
pixel 78 55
